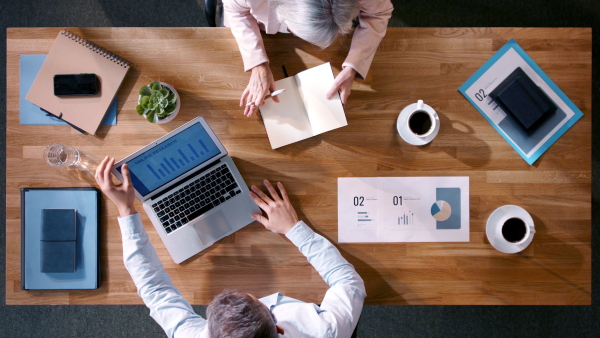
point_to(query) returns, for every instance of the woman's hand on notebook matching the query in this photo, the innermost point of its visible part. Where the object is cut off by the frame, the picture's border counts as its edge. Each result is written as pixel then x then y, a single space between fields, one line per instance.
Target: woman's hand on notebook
pixel 342 84
pixel 261 84
pixel 281 216
pixel 122 194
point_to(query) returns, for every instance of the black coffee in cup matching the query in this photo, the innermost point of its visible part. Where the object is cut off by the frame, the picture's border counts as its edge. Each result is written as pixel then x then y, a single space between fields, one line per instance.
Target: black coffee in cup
pixel 514 230
pixel 420 122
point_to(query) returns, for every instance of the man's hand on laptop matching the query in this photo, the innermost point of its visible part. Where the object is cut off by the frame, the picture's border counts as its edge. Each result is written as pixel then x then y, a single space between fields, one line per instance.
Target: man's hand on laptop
pixel 281 216
pixel 122 194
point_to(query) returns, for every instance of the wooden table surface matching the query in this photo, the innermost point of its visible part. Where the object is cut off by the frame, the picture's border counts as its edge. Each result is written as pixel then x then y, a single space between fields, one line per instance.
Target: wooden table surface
pixel 205 66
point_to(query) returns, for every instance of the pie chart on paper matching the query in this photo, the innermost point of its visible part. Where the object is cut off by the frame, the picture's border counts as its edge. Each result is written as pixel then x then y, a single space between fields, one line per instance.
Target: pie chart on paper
pixel 441 210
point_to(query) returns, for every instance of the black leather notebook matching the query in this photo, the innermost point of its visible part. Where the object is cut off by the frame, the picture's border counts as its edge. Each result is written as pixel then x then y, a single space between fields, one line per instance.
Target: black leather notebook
pixel 522 99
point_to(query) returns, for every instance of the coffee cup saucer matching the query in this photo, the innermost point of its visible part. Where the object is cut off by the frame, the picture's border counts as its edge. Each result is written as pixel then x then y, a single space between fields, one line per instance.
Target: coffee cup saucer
pixel 493 223
pixel 410 137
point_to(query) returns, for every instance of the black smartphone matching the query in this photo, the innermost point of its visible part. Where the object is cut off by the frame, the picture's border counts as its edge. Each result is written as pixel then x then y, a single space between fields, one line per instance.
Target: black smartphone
pixel 75 84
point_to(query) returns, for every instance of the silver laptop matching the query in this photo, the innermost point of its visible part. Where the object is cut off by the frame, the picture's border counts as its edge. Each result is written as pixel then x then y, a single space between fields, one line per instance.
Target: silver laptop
pixel 191 190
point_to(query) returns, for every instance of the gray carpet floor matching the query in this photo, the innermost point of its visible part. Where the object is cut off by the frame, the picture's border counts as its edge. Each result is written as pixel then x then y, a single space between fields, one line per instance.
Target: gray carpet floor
pixel 376 321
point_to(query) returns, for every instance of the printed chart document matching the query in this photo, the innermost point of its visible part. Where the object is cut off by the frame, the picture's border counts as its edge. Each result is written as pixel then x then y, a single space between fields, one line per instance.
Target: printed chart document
pixel 403 209
pixel 529 145
pixel 303 111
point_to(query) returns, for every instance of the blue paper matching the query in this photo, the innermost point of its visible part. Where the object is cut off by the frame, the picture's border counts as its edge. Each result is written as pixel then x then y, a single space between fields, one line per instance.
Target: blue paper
pixel 29 67
pixel 86 271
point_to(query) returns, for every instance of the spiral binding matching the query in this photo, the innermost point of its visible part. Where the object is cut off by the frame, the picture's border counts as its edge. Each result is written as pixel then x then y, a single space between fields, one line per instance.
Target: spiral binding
pixel 98 49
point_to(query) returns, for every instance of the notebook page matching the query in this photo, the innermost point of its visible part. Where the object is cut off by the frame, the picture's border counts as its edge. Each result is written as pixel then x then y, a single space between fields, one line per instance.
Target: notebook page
pixel 324 115
pixel 286 122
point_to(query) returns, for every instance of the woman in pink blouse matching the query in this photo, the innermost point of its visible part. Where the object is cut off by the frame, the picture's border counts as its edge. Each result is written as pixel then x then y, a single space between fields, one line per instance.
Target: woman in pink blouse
pixel 316 21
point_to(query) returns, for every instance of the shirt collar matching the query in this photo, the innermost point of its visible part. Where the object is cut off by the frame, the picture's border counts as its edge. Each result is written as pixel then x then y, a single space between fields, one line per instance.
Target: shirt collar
pixel 271 300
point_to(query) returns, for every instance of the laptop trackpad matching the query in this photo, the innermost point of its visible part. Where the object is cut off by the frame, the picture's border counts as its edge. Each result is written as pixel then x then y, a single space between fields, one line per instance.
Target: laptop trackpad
pixel 213 227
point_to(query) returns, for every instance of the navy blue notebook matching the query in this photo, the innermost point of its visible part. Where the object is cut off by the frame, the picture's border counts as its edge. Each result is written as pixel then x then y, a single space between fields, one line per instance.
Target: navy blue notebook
pixel 57 257
pixel 521 98
pixel 58 240
pixel 53 242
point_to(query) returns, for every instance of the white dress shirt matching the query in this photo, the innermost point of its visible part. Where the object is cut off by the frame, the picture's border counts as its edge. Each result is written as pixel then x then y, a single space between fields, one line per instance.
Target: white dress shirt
pixel 248 17
pixel 337 315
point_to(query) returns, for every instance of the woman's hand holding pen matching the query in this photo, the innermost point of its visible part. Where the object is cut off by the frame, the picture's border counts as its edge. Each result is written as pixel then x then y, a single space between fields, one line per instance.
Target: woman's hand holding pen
pixel 261 84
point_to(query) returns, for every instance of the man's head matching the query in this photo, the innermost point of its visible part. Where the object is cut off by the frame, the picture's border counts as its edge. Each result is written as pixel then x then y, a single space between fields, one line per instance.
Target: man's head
pixel 235 313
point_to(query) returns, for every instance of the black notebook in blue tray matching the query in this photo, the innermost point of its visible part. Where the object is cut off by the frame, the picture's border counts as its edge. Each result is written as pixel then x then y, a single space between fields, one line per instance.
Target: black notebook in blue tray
pixel 520 101
pixel 60 238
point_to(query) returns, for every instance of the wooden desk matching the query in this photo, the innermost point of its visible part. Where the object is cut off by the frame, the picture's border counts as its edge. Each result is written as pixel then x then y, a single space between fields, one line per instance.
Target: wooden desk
pixel 412 63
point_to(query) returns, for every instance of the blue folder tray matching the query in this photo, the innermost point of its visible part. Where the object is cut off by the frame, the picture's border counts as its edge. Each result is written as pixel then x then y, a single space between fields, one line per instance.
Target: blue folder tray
pixel 86 200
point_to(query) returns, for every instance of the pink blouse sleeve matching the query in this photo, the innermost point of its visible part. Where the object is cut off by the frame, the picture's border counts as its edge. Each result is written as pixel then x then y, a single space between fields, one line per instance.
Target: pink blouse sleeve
pixel 373 20
pixel 246 32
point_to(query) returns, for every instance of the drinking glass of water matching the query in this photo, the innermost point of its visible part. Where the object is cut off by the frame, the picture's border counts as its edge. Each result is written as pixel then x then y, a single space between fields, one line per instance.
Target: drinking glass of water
pixel 58 155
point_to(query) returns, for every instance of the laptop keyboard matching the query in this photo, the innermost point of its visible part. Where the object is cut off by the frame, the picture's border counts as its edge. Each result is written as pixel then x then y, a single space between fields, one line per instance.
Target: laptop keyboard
pixel 196 198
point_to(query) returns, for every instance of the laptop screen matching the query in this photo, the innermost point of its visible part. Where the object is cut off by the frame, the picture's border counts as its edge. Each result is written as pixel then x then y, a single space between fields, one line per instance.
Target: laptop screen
pixel 171 158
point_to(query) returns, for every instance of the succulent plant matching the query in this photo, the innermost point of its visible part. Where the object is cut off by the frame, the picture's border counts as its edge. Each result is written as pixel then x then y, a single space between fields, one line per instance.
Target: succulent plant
pixel 156 102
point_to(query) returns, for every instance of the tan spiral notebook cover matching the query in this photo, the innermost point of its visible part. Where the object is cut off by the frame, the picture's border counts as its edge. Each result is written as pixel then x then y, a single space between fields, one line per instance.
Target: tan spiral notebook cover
pixel 71 54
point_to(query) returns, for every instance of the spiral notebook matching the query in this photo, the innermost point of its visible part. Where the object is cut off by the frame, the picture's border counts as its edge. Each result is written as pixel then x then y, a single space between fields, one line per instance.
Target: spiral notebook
pixel 71 54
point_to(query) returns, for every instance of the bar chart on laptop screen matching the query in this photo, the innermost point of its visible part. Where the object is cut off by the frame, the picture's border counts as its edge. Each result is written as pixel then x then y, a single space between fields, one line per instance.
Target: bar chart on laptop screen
pixel 172 157
pixel 185 156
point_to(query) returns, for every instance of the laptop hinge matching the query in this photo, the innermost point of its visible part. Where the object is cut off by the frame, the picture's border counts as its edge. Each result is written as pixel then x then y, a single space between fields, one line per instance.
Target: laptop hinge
pixel 185 180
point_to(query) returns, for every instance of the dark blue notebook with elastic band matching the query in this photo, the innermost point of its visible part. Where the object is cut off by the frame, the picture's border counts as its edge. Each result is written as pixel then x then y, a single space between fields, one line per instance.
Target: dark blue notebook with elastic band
pixel 60 238
pixel 522 99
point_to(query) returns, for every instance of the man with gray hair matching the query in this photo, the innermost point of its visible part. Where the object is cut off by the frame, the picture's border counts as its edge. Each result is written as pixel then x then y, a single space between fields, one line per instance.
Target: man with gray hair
pixel 235 313
pixel 316 21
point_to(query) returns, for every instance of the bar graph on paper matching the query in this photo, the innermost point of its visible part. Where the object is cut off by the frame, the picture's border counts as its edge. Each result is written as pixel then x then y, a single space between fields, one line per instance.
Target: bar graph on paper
pixel 407 218
pixel 187 154
pixel 365 220
pixel 363 216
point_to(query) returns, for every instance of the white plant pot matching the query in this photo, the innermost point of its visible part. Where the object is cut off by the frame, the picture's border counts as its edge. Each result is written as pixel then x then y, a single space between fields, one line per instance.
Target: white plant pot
pixel 177 106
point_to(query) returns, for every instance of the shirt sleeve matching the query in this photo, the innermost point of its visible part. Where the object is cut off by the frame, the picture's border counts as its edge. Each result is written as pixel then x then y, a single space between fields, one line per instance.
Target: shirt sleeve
pixel 373 19
pixel 168 308
pixel 343 302
pixel 244 28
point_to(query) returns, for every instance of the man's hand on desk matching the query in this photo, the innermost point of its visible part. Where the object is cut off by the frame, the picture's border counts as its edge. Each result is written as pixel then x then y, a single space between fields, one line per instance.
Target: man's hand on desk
pixel 261 84
pixel 281 216
pixel 122 194
pixel 342 84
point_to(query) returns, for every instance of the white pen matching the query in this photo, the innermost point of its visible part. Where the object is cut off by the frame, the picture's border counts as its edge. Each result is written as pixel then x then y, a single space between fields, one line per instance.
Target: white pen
pixel 275 93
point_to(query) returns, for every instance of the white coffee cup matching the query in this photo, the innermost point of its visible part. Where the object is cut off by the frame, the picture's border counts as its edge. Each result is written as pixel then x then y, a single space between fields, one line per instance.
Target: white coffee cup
pixel 421 121
pixel 510 229
pixel 418 123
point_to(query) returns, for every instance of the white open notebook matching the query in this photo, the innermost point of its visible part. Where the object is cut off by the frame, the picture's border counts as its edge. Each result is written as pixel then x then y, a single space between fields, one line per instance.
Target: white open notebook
pixel 303 111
